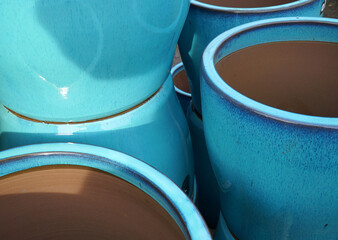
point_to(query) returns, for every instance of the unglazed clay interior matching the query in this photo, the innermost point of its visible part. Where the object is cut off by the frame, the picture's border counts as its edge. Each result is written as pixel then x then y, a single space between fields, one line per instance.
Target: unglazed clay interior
pixel 246 3
pixel 181 81
pixel 71 202
pixel 299 77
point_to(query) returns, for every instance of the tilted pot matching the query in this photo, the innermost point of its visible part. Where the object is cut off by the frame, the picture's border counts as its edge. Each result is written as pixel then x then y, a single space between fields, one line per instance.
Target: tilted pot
pixel 58 56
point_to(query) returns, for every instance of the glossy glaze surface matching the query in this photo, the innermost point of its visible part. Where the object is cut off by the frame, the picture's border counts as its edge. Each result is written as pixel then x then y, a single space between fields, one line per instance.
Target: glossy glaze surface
pixel 277 170
pixel 181 84
pixel 205 22
pixel 97 170
pixel 60 55
pixel 155 132
pixel 208 198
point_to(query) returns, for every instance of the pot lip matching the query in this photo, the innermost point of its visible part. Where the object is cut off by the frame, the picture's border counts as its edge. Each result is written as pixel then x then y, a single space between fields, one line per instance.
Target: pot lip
pixel 174 71
pixel 113 162
pixel 212 78
pixel 281 7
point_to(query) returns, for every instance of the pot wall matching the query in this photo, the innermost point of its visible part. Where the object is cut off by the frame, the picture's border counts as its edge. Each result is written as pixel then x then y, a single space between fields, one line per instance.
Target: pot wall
pixel 276 170
pixel 57 56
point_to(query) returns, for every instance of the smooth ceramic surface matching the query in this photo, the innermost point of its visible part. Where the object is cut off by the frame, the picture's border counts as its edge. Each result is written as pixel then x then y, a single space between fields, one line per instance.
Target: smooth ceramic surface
pixel 183 97
pixel 277 170
pixel 222 232
pixel 205 22
pixel 136 172
pixel 80 60
pixel 208 197
pixel 155 132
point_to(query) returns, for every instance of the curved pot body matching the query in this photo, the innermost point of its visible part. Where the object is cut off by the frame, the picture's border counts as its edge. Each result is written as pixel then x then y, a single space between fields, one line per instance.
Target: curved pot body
pixel 208 197
pixel 181 84
pixel 155 132
pixel 206 21
pixel 75 191
pixel 58 56
pixel 277 169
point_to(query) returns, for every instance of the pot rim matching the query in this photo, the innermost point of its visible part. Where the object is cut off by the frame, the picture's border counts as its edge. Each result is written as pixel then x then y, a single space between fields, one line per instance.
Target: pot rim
pixel 281 7
pixel 174 71
pixel 124 166
pixel 212 78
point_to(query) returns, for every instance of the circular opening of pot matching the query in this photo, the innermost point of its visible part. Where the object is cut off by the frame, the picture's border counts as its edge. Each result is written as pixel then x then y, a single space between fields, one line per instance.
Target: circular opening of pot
pixel 181 80
pixel 246 3
pixel 295 76
pixel 75 202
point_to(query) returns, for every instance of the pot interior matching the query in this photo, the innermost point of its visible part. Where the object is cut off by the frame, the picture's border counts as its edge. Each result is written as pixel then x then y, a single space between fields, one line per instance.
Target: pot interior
pixel 295 76
pixel 246 3
pixel 181 81
pixel 72 202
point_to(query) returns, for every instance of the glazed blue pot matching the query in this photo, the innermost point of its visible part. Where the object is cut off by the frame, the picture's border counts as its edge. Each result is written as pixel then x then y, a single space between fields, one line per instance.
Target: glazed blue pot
pixel 206 21
pixel 276 169
pixel 155 131
pixel 97 170
pixel 181 82
pixel 208 197
pixel 58 56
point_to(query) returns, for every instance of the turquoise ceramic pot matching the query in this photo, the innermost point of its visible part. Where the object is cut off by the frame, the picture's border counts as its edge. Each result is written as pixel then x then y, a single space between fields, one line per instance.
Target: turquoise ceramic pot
pixel 277 170
pixel 155 132
pixel 181 84
pixel 208 198
pixel 58 56
pixel 206 21
pixel 135 173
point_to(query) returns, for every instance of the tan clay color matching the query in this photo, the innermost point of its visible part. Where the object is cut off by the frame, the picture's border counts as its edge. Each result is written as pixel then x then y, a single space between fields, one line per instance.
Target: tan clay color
pixel 69 202
pixel 300 77
pixel 181 81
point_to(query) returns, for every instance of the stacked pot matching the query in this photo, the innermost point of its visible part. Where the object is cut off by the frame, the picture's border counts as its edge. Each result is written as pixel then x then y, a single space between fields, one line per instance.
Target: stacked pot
pixel 95 72
pixel 251 206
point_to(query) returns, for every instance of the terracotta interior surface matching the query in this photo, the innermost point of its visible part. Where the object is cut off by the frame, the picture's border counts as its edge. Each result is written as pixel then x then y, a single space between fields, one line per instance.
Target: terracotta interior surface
pixel 181 81
pixel 69 202
pixel 246 3
pixel 300 77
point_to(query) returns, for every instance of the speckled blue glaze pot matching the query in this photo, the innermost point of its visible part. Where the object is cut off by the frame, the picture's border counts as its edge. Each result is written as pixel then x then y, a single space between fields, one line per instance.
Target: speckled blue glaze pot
pixel 206 21
pixel 208 198
pixel 155 131
pixel 179 75
pixel 58 56
pixel 114 163
pixel 277 170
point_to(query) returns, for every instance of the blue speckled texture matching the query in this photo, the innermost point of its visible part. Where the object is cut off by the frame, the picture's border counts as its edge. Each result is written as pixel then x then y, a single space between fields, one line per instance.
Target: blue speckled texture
pixel 155 132
pixel 141 175
pixel 57 56
pixel 203 25
pixel 208 198
pixel 278 177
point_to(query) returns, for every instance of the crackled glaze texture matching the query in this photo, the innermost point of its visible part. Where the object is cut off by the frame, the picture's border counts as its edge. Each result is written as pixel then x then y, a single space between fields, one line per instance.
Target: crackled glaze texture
pixel 155 132
pixel 205 21
pixel 277 170
pixel 208 197
pixel 74 191
pixel 58 56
